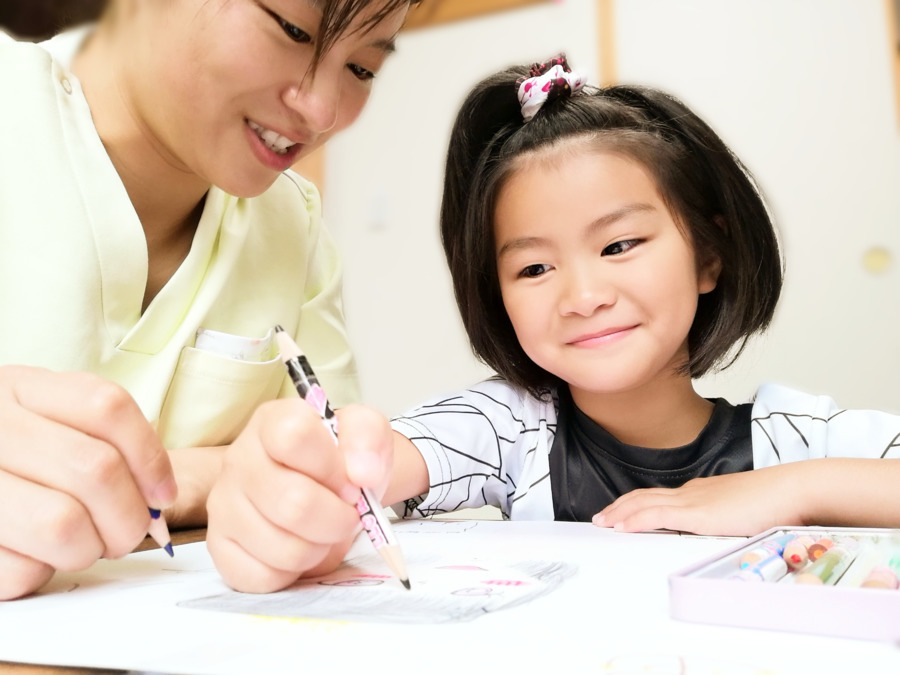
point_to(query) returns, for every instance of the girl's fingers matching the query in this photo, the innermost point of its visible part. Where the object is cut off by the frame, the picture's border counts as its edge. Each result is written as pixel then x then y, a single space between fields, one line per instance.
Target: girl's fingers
pixel 367 445
pixel 285 499
pixel 292 434
pixel 242 571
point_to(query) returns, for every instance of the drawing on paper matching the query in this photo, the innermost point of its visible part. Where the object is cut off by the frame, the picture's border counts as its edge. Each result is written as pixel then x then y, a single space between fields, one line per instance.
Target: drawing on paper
pixel 441 592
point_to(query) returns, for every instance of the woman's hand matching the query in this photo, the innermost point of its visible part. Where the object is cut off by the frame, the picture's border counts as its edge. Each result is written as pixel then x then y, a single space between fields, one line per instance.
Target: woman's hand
pixel 79 465
pixel 736 504
pixel 284 505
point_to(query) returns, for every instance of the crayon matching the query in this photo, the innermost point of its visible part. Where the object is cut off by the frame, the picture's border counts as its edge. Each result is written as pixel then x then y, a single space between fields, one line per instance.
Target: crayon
pixel 881 576
pixel 819 547
pixel 829 567
pixel 796 553
pixel 772 568
pixel 765 549
pixel 885 575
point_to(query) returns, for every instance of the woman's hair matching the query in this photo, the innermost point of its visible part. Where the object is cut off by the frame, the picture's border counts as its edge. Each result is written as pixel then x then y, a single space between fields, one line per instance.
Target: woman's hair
pixel 709 192
pixel 337 15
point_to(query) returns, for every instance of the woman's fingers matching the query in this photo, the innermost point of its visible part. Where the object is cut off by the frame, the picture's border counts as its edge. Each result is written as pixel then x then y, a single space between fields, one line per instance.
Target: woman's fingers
pixel 79 465
pixel 21 575
pixel 102 410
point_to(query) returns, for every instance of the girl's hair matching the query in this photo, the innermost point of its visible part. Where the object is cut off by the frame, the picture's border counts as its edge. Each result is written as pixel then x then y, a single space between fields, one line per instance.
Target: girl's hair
pixel 709 192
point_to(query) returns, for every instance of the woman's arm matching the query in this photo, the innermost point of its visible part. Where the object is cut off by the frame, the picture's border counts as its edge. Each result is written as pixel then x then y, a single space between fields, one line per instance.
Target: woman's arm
pixel 79 465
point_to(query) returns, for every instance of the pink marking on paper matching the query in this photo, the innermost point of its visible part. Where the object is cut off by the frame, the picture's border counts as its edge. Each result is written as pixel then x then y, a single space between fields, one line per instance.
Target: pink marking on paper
pixel 505 582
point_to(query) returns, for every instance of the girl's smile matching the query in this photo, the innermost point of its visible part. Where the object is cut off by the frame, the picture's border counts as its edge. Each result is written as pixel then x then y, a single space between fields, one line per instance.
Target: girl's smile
pixel 601 291
pixel 602 337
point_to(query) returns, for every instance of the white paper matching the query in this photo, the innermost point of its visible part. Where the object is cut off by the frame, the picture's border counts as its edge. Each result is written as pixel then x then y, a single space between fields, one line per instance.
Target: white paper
pixel 604 609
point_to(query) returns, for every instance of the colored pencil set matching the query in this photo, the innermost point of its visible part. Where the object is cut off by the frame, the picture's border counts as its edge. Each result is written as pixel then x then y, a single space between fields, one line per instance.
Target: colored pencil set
pixel 823 558
pixel 836 581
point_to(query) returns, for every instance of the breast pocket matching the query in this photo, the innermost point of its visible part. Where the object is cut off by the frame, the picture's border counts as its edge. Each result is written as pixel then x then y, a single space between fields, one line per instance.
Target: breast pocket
pixel 212 397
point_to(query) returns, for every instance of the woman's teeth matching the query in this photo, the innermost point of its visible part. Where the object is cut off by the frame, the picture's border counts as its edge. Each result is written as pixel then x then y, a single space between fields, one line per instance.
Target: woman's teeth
pixel 274 141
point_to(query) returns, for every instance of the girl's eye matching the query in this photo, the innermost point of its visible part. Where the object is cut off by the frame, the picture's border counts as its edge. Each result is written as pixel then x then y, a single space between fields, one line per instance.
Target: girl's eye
pixel 361 73
pixel 533 271
pixel 620 247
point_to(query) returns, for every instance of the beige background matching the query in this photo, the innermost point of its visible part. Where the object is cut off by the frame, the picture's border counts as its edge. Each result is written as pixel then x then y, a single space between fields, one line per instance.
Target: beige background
pixel 803 90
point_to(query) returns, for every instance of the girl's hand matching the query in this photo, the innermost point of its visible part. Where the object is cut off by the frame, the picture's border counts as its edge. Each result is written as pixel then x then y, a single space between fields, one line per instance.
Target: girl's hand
pixel 737 504
pixel 284 505
pixel 79 465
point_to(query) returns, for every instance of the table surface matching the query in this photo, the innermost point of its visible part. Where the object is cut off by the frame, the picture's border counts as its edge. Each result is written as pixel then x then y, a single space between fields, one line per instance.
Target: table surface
pixel 614 613
pixel 178 537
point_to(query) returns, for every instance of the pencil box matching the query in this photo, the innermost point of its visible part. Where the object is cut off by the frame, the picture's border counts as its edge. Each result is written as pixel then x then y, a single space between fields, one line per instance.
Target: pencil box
pixel 746 586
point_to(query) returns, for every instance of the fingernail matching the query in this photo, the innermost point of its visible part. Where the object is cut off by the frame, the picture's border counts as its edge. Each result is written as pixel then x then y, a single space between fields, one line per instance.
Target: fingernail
pixel 350 494
pixel 599 520
pixel 165 494
pixel 367 465
pixel 619 527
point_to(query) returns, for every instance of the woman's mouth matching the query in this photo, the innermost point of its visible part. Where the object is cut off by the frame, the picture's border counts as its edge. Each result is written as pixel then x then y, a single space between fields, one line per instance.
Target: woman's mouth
pixel 274 141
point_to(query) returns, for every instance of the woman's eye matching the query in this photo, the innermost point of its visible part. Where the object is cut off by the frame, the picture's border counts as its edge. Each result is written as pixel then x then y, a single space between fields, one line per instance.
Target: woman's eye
pixel 533 271
pixel 360 73
pixel 620 247
pixel 296 33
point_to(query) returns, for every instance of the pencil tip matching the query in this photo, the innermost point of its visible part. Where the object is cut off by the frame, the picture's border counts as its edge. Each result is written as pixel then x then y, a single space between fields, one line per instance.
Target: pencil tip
pixel 168 549
pixel 405 582
pixel 278 328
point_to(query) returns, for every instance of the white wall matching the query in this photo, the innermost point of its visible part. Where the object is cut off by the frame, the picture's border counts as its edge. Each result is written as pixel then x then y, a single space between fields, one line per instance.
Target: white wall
pixel 801 89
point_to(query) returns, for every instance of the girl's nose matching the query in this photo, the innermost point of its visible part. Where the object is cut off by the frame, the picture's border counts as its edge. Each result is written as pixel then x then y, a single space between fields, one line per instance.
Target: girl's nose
pixel 584 292
pixel 316 99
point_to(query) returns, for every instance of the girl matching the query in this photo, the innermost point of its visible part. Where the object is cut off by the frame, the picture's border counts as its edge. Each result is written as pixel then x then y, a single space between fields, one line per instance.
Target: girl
pixel 606 248
pixel 149 239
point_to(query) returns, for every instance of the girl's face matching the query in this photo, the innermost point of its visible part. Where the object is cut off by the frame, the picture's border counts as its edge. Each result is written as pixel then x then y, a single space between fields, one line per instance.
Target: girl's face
pixel 222 86
pixel 599 282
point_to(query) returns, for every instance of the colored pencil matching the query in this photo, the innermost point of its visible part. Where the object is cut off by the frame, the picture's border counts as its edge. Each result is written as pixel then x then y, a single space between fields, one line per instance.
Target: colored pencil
pixel 371 514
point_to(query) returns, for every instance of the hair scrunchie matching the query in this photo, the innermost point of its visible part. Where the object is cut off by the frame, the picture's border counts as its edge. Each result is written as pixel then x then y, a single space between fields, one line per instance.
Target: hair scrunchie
pixel 547 81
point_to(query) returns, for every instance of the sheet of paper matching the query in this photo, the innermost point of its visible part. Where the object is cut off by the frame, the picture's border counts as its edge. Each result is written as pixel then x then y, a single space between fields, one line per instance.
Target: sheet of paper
pixel 576 599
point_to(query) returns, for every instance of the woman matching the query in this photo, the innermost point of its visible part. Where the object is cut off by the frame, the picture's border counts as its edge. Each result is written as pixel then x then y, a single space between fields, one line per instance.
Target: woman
pixel 149 240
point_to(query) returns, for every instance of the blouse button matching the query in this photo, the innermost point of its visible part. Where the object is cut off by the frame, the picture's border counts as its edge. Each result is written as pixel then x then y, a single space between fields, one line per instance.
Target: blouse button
pixel 66 85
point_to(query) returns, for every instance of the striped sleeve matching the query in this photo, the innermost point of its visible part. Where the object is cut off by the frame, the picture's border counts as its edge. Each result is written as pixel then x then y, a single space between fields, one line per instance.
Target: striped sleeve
pixel 788 426
pixel 487 445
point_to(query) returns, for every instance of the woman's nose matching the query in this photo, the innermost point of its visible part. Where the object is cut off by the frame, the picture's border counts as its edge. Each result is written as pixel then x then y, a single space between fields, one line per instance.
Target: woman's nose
pixel 316 99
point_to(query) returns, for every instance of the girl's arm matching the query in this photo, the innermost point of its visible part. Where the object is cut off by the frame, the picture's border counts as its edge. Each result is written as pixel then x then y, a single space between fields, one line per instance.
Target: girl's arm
pixel 827 492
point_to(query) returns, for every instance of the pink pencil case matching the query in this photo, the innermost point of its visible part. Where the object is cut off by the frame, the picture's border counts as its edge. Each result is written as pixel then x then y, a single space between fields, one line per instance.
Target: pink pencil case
pixel 708 591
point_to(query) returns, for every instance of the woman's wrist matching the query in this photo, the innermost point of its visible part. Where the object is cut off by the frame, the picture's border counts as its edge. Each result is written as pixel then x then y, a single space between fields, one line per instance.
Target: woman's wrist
pixel 196 470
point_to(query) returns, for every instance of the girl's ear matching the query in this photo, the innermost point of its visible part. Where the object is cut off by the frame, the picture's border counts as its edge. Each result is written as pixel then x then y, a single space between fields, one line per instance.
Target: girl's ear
pixel 708 273
pixel 709 266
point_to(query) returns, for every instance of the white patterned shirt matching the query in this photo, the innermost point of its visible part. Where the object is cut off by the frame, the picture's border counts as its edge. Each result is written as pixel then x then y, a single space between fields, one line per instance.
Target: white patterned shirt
pixel 490 445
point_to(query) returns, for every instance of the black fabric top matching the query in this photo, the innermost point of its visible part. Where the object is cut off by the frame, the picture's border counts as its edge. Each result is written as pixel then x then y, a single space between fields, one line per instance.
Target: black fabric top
pixel 589 468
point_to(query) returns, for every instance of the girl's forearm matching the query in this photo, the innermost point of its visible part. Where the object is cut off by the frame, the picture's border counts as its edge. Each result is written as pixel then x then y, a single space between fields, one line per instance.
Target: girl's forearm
pixel 851 492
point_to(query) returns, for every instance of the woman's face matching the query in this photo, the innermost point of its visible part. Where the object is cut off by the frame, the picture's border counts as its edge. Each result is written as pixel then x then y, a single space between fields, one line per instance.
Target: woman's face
pixel 223 88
